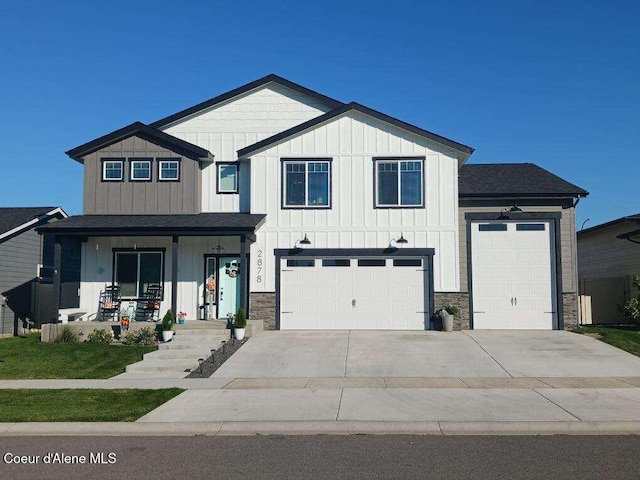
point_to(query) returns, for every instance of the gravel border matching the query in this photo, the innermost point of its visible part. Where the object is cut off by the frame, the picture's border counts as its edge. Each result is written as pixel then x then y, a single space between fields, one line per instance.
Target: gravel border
pixel 215 361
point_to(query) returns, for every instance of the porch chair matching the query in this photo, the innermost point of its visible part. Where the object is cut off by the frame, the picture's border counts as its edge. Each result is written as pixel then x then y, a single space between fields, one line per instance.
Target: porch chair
pixel 109 303
pixel 148 306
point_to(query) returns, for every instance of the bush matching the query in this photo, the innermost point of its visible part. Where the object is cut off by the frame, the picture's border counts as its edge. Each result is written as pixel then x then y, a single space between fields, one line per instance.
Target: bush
pixel 144 336
pixel 241 319
pixel 631 308
pixel 101 336
pixel 450 309
pixel 67 335
pixel 167 321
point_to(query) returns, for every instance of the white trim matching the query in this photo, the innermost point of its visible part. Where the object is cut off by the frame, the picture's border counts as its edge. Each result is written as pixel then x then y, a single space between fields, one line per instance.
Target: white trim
pixel 25 226
pixel 104 170
pixel 136 179
pixel 161 162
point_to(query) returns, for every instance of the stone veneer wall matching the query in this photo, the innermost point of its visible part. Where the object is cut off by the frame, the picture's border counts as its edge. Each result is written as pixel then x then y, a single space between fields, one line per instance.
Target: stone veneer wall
pixel 570 310
pixel 262 306
pixel 460 300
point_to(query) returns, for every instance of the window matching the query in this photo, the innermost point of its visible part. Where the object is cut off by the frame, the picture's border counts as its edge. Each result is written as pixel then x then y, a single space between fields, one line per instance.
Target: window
pixel 529 226
pixel 227 178
pixel 372 262
pixel 492 227
pixel 112 170
pixel 169 169
pixel 407 262
pixel 301 263
pixel 140 170
pixel 306 183
pixel 135 271
pixel 336 262
pixel 399 182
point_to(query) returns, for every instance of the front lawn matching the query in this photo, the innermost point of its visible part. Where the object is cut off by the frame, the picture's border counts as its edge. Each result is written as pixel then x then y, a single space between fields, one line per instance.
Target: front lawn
pixel 27 358
pixel 624 339
pixel 80 405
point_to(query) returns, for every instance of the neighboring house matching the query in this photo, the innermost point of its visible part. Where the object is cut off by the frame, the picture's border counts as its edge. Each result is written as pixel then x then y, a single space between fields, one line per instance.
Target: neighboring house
pixel 23 256
pixel 313 213
pixel 608 259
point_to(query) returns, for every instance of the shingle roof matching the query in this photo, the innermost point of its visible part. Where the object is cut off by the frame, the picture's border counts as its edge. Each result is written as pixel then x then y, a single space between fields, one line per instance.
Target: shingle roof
pixel 144 131
pixel 513 180
pixel 330 102
pixel 629 218
pixel 13 217
pixel 247 151
pixel 193 224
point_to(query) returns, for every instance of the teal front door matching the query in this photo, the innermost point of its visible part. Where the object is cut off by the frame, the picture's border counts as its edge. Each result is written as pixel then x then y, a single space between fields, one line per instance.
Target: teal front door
pixel 229 286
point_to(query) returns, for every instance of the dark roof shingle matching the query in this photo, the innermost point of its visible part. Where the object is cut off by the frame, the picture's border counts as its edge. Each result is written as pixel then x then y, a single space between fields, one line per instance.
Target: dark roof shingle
pixel 513 180
pixel 12 217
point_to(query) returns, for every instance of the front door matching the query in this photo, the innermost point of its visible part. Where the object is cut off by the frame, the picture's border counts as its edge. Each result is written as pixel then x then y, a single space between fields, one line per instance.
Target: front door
pixel 229 286
pixel 210 287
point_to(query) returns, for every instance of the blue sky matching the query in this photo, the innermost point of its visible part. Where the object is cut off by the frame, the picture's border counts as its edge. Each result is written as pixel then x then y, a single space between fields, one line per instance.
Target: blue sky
pixel 555 83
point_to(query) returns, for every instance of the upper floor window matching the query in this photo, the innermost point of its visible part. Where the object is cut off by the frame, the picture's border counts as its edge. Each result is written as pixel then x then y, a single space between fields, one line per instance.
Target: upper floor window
pixel 113 170
pixel 140 170
pixel 399 182
pixel 306 183
pixel 227 178
pixel 169 169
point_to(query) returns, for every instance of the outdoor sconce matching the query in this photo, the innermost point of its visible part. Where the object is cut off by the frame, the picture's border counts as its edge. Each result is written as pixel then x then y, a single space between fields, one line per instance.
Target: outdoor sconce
pixel 505 213
pixel 400 241
pixel 304 241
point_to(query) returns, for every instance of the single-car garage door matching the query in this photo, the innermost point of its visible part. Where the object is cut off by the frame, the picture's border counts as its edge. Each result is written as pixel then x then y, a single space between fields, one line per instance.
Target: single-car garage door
pixel 354 293
pixel 513 275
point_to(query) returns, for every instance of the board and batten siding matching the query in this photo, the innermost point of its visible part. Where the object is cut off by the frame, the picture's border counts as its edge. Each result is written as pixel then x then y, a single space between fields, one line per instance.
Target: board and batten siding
pixel 351 141
pixel 97 268
pixel 237 123
pixel 19 257
pixel 141 197
pixel 567 241
pixel 602 255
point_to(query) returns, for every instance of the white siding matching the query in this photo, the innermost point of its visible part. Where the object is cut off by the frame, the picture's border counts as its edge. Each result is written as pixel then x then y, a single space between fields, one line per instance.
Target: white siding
pixel 352 141
pixel 238 123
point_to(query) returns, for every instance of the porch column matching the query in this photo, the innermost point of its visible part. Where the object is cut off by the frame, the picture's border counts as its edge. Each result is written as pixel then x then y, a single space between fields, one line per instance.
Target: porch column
pixel 57 266
pixel 174 276
pixel 244 280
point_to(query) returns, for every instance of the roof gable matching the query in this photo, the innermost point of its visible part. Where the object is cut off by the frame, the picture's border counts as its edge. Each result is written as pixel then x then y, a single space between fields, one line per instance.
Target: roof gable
pixel 261 82
pixel 517 180
pixel 344 109
pixel 632 220
pixel 15 220
pixel 143 131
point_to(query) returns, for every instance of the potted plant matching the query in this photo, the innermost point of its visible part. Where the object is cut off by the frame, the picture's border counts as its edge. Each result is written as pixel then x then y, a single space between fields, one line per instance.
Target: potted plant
pixel 239 324
pixel 447 313
pixel 181 317
pixel 167 326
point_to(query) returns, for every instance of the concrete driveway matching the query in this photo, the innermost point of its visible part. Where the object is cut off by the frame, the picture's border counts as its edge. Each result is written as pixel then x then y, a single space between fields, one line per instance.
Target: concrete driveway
pixel 377 354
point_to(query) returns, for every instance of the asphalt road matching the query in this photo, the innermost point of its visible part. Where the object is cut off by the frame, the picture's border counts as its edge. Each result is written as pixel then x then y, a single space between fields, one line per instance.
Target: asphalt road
pixel 332 457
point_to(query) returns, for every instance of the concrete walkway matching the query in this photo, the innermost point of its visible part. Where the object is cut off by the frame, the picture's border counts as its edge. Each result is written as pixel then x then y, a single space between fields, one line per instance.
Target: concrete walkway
pixel 388 382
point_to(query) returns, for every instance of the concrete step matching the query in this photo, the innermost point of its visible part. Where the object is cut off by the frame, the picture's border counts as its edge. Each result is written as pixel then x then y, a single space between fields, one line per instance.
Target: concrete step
pixel 162 365
pixel 213 340
pixel 195 332
pixel 202 325
pixel 185 354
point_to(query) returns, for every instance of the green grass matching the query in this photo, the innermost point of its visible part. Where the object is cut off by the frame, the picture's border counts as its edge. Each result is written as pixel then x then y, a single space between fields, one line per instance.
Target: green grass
pixel 624 339
pixel 26 358
pixel 80 405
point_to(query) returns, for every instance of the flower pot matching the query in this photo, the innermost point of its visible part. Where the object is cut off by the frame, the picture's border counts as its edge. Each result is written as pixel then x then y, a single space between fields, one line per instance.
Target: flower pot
pixel 167 335
pixel 181 321
pixel 238 333
pixel 447 322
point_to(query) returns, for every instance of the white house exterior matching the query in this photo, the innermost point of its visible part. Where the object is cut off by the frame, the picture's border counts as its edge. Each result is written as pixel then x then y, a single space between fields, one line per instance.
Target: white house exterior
pixel 312 213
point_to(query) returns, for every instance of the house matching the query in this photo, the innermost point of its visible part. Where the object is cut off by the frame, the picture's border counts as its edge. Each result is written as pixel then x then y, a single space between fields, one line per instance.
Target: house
pixel 25 286
pixel 608 259
pixel 313 213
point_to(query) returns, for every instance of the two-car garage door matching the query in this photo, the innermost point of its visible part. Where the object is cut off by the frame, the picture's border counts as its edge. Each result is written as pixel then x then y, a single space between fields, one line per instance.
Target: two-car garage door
pixel 354 293
pixel 513 275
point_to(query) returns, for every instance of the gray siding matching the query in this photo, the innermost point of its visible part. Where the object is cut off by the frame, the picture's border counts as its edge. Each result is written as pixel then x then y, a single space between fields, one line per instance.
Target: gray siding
pixel 19 257
pixel 152 197
pixel 567 241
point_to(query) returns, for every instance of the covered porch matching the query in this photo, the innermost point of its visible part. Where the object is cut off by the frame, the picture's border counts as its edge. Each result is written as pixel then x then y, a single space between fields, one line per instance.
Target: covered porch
pixel 200 261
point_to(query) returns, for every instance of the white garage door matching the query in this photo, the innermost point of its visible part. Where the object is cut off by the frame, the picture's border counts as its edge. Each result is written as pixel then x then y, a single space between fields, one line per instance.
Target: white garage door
pixel 354 293
pixel 513 275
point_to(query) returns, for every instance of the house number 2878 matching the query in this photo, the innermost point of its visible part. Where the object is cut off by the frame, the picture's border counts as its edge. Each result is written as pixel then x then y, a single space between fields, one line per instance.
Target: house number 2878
pixel 259 266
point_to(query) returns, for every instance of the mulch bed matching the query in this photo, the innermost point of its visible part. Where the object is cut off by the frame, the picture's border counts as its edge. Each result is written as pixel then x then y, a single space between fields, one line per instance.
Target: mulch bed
pixel 214 362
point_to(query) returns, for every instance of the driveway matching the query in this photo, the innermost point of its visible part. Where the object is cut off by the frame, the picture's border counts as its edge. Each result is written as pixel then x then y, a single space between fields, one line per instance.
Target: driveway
pixel 483 354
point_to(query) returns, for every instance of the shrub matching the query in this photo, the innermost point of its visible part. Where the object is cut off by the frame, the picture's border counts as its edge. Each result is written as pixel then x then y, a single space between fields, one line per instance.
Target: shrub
pixel 100 336
pixel 167 321
pixel 144 336
pixel 67 335
pixel 450 309
pixel 631 308
pixel 241 319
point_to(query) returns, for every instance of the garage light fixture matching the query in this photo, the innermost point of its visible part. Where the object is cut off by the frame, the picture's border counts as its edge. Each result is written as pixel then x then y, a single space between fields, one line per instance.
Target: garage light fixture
pixel 514 209
pixel 401 241
pixel 304 241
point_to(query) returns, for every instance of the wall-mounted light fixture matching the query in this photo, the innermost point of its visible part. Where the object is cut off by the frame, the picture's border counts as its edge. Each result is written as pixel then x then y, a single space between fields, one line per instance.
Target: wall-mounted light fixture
pixel 304 241
pixel 399 241
pixel 218 250
pixel 507 212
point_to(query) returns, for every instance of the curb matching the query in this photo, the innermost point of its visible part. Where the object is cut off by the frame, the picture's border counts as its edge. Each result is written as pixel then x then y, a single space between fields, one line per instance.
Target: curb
pixel 63 429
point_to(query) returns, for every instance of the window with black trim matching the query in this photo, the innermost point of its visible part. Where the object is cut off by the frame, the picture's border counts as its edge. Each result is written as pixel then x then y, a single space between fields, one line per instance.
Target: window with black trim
pixel 169 169
pixel 399 182
pixel 407 262
pixel 528 227
pixel 228 178
pixel 301 263
pixel 140 170
pixel 492 227
pixel 134 271
pixel 372 262
pixel 336 262
pixel 112 170
pixel 306 183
